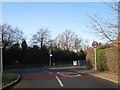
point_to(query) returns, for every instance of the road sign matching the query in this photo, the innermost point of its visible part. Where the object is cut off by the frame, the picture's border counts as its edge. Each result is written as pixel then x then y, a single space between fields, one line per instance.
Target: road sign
pixel 50 55
pixel 95 44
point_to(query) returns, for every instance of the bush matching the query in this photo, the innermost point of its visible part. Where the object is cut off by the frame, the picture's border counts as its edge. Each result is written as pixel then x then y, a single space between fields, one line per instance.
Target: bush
pixel 88 64
pixel 101 64
pixel 101 59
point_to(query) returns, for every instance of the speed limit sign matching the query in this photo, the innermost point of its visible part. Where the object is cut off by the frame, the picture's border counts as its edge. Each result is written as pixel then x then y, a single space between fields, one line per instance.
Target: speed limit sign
pixel 95 44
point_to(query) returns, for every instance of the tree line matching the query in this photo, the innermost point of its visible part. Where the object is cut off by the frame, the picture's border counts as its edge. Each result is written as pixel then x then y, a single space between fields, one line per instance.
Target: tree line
pixel 65 48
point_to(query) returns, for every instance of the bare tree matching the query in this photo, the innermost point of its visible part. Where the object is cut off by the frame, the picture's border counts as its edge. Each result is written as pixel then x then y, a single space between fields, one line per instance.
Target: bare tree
pixel 115 6
pixel 85 44
pixel 105 29
pixel 41 37
pixel 11 35
pixel 77 43
pixel 68 41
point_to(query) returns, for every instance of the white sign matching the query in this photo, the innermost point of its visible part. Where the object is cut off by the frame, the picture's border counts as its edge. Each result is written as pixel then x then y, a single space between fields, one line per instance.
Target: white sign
pixel 75 63
pixel 51 55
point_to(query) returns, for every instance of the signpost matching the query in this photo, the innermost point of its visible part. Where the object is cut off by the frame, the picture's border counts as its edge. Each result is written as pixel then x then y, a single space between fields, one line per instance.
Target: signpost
pixel 50 55
pixel 1 62
pixel 95 45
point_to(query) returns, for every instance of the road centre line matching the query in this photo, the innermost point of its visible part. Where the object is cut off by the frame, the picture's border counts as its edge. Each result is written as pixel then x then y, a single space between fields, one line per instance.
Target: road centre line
pixel 59 81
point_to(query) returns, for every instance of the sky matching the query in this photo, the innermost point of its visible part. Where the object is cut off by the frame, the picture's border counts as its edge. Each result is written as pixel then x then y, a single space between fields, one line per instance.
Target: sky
pixel 54 16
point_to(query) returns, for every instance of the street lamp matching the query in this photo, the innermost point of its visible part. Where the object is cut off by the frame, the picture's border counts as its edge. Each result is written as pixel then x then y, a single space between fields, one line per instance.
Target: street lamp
pixel 50 55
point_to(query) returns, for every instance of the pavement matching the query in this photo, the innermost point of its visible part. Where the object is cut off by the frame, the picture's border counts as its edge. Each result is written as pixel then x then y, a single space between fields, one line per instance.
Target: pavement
pixel 104 75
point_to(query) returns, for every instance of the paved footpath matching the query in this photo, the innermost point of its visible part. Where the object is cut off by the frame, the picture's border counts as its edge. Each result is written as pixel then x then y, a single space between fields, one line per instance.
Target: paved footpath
pixel 103 75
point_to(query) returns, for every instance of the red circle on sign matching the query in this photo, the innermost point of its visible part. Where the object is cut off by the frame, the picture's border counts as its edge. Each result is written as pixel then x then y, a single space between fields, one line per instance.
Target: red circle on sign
pixel 95 44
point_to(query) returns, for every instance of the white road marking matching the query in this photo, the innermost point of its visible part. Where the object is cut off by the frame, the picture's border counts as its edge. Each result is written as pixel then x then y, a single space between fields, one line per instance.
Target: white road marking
pixel 66 74
pixel 59 81
pixel 50 72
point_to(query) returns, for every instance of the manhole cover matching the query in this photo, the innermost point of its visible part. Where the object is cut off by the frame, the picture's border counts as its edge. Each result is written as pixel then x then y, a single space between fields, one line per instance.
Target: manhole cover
pixel 69 74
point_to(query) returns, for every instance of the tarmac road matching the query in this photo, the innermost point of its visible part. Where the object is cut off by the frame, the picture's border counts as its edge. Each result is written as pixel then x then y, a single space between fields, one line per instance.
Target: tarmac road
pixel 63 78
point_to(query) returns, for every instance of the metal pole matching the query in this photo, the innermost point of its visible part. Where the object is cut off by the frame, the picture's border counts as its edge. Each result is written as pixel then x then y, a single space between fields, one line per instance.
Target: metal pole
pixel 1 61
pixel 49 57
pixel 95 59
pixel 1 68
pixel 118 42
pixel 50 60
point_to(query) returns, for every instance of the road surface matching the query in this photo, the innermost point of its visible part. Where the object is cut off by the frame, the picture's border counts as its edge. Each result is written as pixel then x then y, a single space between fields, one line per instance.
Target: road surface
pixel 60 78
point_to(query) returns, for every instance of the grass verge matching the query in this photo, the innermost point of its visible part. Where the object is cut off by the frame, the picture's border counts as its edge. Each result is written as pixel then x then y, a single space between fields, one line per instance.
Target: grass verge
pixel 8 77
pixel 57 66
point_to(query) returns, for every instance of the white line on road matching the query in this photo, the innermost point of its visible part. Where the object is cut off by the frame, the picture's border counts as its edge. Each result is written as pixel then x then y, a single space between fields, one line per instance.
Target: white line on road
pixel 50 72
pixel 59 81
pixel 69 74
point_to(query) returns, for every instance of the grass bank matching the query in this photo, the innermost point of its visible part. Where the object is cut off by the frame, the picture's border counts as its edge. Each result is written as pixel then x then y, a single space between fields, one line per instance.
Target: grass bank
pixel 8 77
